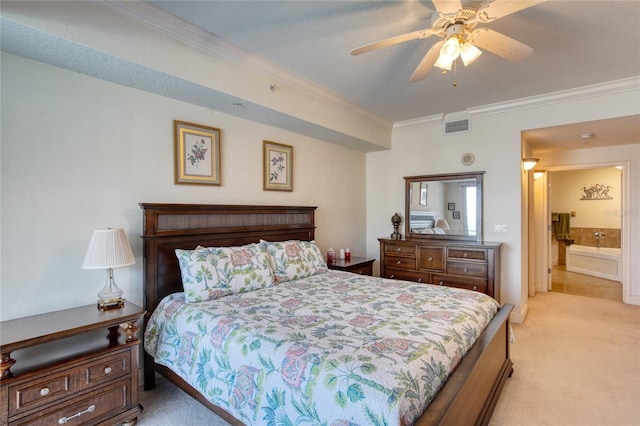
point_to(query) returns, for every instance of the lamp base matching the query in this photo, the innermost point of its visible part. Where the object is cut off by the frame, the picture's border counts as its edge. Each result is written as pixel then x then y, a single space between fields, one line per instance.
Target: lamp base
pixel 105 305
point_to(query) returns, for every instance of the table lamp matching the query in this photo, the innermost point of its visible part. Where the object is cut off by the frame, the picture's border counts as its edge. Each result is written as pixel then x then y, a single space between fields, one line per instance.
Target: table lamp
pixel 109 249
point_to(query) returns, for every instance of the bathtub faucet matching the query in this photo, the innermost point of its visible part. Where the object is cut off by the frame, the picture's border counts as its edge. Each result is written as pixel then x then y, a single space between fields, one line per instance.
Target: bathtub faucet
pixel 599 236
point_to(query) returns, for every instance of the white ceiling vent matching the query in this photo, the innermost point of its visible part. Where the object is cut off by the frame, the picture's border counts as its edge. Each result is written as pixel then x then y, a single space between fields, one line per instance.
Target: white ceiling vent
pixel 456 126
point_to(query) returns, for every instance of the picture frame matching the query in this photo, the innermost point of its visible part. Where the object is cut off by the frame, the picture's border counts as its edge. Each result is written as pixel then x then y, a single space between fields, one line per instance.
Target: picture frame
pixel 277 160
pixel 424 187
pixel 451 206
pixel 197 154
pixel 456 214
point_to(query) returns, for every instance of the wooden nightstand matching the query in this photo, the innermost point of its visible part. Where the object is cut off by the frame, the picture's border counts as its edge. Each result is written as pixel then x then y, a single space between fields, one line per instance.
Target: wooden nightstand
pixel 97 385
pixel 357 265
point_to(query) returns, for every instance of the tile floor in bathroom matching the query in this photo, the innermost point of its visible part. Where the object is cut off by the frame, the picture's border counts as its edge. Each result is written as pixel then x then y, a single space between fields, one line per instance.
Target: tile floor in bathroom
pixel 563 281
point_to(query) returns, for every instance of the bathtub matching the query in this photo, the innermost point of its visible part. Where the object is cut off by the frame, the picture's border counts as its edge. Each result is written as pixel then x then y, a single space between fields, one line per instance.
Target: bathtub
pixel 602 262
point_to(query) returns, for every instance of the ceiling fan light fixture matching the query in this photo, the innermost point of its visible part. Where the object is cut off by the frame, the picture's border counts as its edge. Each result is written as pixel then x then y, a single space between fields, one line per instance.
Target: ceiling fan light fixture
pixel 450 49
pixel 469 53
pixel 443 64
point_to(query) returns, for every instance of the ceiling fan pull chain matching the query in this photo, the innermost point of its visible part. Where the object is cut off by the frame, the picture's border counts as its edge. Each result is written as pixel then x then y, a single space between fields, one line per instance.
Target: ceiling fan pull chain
pixel 455 73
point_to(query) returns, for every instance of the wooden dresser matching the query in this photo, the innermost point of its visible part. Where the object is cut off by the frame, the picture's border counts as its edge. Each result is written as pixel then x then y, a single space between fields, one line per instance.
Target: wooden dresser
pixel 462 264
pixel 89 386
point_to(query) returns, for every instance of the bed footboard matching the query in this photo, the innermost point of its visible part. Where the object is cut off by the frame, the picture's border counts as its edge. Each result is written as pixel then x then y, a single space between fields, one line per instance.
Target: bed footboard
pixel 471 392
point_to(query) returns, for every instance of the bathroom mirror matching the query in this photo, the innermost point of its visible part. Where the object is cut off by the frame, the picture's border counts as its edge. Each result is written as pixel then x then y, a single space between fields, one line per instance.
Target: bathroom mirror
pixel 445 206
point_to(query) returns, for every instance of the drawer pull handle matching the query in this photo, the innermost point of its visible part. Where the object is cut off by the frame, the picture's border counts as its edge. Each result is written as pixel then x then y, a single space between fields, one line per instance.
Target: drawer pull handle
pixel 107 370
pixel 441 282
pixel 475 287
pixel 465 254
pixel 419 280
pixel 430 259
pixel 398 262
pixel 399 249
pixel 392 276
pixel 466 269
pixel 44 391
pixel 90 409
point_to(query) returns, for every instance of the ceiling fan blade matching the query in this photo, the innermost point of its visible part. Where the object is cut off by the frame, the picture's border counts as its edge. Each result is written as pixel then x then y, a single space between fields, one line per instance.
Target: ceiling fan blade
pixel 393 40
pixel 499 8
pixel 500 44
pixel 427 62
pixel 447 7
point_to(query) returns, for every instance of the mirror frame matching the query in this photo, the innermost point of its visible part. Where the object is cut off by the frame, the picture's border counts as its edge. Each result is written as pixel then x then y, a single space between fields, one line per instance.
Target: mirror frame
pixel 478 176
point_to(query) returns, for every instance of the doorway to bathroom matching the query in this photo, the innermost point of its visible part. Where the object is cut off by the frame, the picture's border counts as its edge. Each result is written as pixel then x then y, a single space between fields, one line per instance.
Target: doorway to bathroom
pixel 586 230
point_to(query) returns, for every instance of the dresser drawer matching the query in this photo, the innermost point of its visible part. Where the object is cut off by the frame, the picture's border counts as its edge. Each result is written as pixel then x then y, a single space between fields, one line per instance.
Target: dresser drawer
pixel 400 274
pixel 112 398
pixel 467 254
pixel 42 390
pixel 400 249
pixel 430 258
pixel 104 369
pixel 400 262
pixel 460 282
pixel 467 269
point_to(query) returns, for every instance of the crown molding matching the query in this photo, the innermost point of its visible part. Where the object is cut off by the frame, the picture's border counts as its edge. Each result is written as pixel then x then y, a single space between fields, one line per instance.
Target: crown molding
pixel 175 28
pixel 584 92
pixel 418 122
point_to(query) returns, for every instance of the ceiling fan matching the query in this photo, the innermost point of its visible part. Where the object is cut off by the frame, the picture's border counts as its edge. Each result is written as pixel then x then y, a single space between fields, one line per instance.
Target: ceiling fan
pixel 456 25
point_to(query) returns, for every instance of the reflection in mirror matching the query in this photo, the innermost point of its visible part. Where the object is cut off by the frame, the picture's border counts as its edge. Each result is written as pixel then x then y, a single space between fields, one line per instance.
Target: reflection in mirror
pixel 447 206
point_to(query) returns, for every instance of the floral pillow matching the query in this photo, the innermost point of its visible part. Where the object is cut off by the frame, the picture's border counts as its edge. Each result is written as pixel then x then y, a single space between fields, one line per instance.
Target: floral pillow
pixel 295 259
pixel 199 275
pixel 243 268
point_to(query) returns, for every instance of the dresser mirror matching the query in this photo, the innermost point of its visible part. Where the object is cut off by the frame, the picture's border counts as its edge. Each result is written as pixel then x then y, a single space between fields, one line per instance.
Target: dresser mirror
pixel 445 206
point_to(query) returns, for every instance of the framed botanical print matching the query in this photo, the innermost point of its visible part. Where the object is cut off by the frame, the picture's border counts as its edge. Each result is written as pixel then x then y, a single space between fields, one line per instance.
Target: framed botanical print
pixel 278 166
pixel 197 154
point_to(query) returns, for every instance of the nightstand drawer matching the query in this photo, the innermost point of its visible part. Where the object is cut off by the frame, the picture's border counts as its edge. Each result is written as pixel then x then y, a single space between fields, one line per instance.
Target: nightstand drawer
pixel 112 398
pixel 104 369
pixel 400 262
pixel 362 270
pixel 467 269
pixel 40 391
pixel 400 249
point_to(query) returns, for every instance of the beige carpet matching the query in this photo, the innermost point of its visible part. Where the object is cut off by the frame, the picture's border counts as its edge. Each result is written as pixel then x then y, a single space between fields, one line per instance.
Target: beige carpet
pixel 576 361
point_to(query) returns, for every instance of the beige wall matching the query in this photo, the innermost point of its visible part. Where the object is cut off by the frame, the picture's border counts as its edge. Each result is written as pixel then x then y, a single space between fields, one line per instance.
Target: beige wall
pixel 79 154
pixel 566 193
pixel 495 139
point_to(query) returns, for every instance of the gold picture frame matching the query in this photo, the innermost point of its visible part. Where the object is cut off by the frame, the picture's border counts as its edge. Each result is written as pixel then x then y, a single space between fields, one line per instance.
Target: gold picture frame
pixel 277 160
pixel 197 154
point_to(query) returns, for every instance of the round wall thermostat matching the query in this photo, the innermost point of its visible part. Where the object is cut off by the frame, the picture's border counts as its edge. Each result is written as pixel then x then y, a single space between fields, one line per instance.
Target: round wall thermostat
pixel 468 159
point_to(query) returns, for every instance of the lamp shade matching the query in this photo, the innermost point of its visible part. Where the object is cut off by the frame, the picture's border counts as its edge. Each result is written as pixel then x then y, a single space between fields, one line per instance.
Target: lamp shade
pixel 442 224
pixel 108 248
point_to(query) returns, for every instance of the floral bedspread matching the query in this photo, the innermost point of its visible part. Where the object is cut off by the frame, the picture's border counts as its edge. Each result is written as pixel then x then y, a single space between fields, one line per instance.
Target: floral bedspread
pixel 333 349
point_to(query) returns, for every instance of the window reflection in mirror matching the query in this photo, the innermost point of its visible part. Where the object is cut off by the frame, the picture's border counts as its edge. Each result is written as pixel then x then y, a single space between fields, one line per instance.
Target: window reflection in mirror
pixel 447 206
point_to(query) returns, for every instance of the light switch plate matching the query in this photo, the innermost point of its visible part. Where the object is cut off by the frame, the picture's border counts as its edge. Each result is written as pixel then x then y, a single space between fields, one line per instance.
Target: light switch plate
pixel 500 229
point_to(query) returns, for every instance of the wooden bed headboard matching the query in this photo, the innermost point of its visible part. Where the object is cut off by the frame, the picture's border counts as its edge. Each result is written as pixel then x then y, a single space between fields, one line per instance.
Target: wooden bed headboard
pixel 170 226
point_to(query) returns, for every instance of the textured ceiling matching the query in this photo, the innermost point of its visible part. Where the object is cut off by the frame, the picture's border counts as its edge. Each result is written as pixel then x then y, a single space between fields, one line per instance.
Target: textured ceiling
pixel 577 43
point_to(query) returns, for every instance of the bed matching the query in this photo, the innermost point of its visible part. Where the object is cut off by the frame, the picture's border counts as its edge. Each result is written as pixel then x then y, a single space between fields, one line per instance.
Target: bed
pixel 468 395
